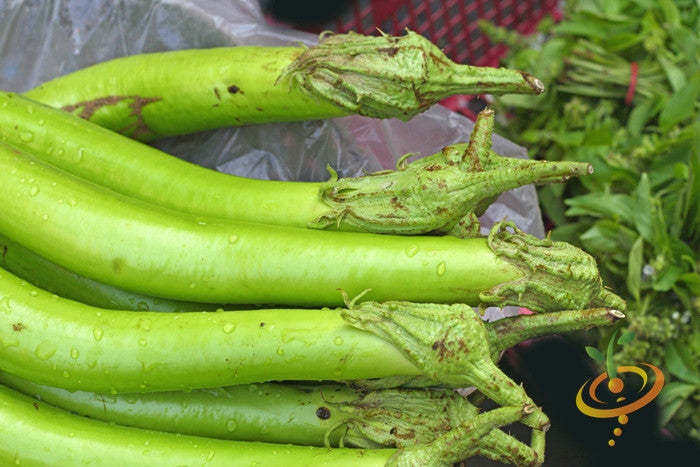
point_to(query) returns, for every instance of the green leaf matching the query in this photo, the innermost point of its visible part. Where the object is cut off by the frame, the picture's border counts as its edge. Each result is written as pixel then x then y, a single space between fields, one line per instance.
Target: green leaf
pixel 584 27
pixel 681 105
pixel 595 354
pixel 634 268
pixel 626 337
pixel 676 390
pixel 672 397
pixel 640 115
pixel 666 278
pixel 550 198
pixel 611 238
pixel 684 40
pixel 621 41
pixel 680 364
pixel 675 75
pixel 598 136
pixel 670 10
pixel 692 280
pixel 598 204
pixel 643 208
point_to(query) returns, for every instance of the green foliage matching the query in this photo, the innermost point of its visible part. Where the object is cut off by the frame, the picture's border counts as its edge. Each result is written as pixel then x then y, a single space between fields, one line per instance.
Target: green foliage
pixel 639 214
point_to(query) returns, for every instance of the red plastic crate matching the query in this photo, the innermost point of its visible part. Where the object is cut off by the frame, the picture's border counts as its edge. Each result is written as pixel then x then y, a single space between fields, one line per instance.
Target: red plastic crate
pixel 451 24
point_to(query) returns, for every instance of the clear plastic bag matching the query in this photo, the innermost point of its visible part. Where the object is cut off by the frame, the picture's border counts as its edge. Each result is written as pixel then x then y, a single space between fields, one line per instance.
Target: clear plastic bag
pixel 40 40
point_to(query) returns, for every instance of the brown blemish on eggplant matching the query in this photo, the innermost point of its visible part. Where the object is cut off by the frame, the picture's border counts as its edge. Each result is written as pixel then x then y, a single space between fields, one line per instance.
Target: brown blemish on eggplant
pixel 216 93
pixel 390 51
pixel 323 413
pixel 397 204
pixel 18 327
pixel 233 89
pixel 117 264
pixel 86 110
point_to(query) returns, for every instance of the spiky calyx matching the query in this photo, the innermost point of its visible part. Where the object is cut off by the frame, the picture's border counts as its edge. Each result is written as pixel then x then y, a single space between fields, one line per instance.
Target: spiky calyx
pixel 442 193
pixel 555 275
pixel 394 76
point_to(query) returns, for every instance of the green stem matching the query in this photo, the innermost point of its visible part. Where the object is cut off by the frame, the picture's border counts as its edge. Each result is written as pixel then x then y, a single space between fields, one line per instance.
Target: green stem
pixel 389 76
pixel 507 332
pixel 459 443
pixel 553 272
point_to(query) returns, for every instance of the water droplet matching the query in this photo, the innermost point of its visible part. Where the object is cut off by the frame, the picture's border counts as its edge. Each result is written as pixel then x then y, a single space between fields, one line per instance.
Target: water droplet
pixel 201 221
pixel 92 364
pixel 74 353
pixel 33 293
pixel 34 191
pixel 148 368
pixel 26 136
pixel 280 351
pixel 441 268
pixel 412 250
pixel 146 452
pixel 143 342
pixel 231 425
pixel 45 217
pixel 79 155
pixel 72 202
pixel 229 328
pixel 210 455
pixel 66 374
pixel 142 306
pixel 233 238
pixel 193 285
pixel 71 434
pixel 97 333
pixel 145 324
pixel 338 341
pixel 5 305
pixel 45 350
pixel 41 122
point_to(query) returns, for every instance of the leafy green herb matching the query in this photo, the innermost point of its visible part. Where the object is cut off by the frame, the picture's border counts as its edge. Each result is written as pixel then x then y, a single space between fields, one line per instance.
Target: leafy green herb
pixel 623 94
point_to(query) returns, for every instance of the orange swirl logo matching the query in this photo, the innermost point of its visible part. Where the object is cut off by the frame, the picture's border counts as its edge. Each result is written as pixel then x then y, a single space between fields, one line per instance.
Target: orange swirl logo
pixel 590 402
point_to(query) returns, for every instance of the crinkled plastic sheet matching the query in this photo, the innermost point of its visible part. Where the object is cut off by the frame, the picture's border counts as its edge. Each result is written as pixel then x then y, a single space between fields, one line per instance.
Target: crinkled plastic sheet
pixel 40 40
